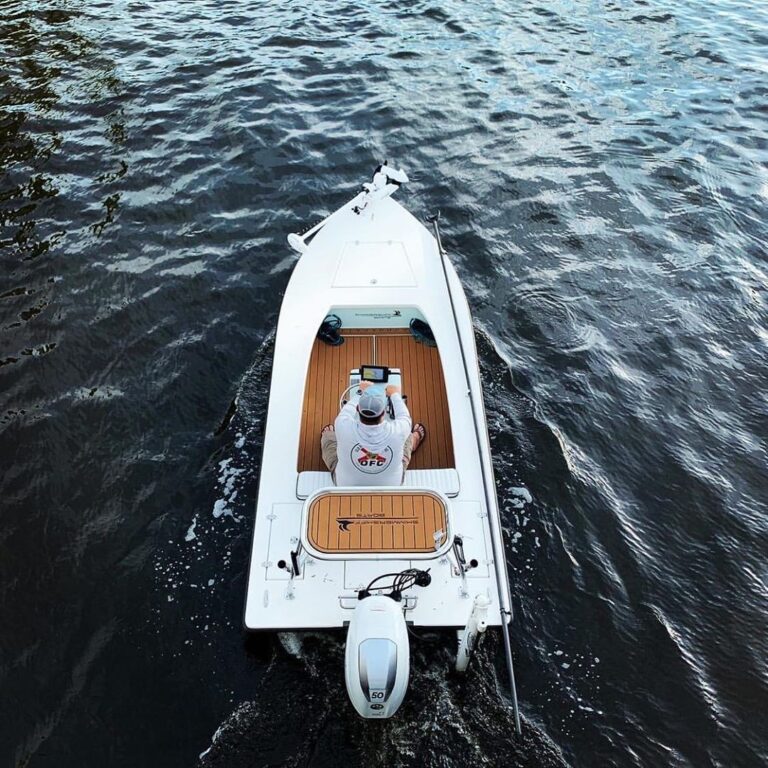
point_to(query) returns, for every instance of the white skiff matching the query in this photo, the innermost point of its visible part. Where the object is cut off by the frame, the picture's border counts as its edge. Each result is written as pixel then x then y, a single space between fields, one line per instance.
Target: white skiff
pixel 373 275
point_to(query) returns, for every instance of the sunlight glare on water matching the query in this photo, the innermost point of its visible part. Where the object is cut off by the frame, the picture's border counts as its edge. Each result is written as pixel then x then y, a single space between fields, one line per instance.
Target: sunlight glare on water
pixel 600 168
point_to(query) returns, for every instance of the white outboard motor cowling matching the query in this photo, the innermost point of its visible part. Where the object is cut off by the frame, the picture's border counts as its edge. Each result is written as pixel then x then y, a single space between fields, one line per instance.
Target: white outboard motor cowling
pixel 377 658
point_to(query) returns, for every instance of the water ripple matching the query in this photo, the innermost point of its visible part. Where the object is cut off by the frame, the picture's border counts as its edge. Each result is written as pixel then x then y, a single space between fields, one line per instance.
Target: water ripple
pixel 601 172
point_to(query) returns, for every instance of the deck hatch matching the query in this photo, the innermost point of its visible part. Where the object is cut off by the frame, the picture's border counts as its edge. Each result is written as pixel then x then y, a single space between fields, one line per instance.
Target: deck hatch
pixel 383 264
pixel 377 522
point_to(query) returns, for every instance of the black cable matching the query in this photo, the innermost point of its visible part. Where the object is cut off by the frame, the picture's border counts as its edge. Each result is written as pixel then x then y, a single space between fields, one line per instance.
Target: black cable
pixel 401 582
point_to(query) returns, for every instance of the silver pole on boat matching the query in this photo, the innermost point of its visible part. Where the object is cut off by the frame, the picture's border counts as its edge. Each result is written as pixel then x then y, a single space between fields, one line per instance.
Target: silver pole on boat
pixel 498 547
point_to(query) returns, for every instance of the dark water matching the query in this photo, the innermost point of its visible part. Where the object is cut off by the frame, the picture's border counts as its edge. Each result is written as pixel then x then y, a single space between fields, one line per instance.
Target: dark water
pixel 602 170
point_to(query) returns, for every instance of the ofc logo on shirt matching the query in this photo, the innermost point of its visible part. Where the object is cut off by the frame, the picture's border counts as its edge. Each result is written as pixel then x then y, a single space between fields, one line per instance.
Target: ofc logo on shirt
pixel 369 461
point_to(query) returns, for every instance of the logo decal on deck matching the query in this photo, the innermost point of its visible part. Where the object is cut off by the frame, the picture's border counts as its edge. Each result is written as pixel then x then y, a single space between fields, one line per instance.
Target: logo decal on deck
pixel 371 462
pixel 375 519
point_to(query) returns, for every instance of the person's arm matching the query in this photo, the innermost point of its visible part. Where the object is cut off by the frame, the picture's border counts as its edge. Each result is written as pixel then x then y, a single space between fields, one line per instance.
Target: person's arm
pixel 349 411
pixel 402 416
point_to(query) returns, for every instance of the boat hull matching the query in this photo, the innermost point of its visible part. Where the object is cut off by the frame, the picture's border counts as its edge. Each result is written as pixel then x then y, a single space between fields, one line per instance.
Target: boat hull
pixel 378 269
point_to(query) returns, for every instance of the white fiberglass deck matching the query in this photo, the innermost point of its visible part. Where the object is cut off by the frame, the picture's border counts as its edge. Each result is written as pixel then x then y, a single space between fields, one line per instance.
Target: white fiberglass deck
pixel 375 270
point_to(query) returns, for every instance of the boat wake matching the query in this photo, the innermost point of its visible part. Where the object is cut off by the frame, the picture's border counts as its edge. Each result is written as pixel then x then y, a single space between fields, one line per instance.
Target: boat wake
pixel 302 715
pixel 540 317
pixel 206 558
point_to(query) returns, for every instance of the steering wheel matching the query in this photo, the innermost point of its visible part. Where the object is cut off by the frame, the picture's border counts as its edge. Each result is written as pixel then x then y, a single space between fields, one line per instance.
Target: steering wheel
pixel 343 398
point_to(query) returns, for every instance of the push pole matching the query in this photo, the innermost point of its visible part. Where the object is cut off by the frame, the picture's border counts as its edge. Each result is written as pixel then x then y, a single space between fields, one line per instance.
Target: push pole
pixel 498 547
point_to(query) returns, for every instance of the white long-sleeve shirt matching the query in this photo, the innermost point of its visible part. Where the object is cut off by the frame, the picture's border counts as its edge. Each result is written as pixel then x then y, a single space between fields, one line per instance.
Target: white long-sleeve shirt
pixel 371 455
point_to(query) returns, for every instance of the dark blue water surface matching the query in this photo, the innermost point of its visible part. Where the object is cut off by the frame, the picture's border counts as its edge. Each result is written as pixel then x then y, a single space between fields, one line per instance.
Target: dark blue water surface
pixel 602 172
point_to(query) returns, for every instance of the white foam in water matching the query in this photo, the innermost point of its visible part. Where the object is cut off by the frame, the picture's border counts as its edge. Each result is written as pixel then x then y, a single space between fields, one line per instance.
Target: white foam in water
pixel 191 530
pixel 213 741
pixel 575 678
pixel 522 497
pixel 228 476
pixel 291 642
pixel 183 570
pixel 220 508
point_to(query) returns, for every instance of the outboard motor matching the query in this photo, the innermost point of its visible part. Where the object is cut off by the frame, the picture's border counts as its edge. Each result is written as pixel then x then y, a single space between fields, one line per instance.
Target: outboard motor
pixel 377 658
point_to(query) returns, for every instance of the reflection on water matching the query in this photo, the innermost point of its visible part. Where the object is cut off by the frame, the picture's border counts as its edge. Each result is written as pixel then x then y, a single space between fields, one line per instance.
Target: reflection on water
pixel 59 94
pixel 600 169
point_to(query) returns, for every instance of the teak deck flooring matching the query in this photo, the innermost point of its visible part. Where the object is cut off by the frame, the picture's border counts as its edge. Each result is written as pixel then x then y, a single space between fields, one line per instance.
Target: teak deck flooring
pixel 423 383
pixel 376 522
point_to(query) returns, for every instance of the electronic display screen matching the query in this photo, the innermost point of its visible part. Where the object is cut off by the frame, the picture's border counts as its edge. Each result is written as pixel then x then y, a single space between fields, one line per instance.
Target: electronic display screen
pixel 374 373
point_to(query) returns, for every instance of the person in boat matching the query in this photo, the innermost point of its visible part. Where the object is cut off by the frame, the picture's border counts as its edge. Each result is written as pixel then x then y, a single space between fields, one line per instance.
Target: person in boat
pixel 363 447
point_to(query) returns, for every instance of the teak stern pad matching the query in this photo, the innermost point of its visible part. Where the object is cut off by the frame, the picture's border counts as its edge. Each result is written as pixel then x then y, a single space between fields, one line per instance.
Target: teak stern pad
pixel 382 521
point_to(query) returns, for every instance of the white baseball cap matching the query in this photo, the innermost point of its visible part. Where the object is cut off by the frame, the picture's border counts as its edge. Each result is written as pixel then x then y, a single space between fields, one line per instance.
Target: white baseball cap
pixel 371 404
